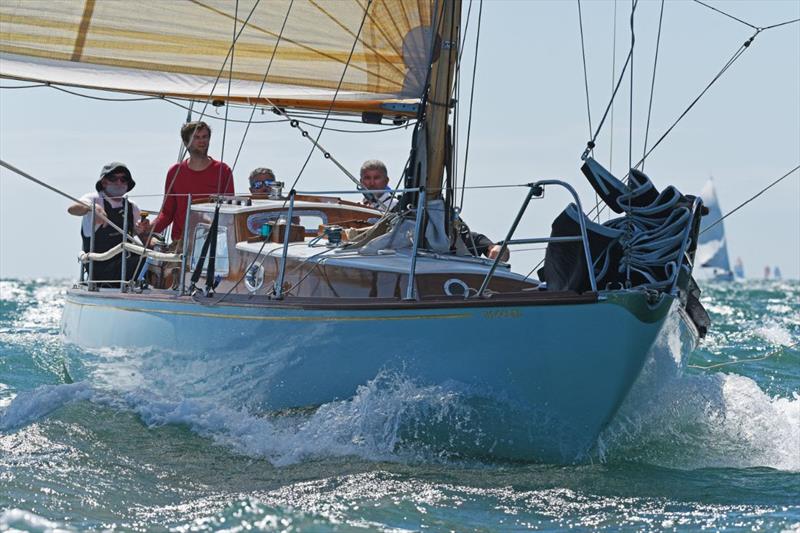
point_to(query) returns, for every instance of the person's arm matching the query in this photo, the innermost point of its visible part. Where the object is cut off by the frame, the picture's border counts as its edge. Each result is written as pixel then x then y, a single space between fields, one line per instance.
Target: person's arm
pixel 495 249
pixel 483 245
pixel 78 210
pixel 170 205
pixel 83 208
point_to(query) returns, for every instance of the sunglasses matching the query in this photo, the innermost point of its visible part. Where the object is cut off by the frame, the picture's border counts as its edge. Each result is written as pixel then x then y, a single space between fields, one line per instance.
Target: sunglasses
pixel 261 183
pixel 116 177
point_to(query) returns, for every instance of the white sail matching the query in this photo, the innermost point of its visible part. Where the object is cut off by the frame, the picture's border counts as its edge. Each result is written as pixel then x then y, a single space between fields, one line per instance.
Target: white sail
pixel 738 268
pixel 712 250
pixel 180 48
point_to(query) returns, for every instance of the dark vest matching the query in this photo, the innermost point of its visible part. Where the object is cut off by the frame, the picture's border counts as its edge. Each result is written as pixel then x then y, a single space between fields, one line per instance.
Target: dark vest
pixel 106 237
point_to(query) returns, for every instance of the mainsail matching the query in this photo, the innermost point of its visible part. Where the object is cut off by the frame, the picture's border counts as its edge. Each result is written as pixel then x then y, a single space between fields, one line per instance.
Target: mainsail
pixel 180 48
pixel 712 250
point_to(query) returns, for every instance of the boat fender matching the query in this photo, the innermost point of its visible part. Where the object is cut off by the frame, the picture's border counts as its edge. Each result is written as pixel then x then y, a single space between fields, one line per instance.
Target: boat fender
pixel 457 282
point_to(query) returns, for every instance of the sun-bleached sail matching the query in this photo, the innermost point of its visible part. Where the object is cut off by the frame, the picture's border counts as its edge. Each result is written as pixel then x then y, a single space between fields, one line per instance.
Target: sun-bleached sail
pixel 180 47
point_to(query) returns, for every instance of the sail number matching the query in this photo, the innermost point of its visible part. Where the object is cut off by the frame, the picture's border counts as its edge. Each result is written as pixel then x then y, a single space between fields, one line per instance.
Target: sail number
pixel 503 313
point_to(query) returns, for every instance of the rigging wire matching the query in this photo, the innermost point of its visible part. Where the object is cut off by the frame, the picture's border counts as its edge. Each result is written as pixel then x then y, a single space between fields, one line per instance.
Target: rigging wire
pixel 31 86
pixel 630 108
pixel 739 52
pixel 471 101
pixel 591 143
pixel 759 193
pixel 780 24
pixel 27 176
pixel 168 188
pixel 611 125
pixel 285 118
pixel 726 14
pixel 177 103
pixel 335 94
pixel 103 99
pixel 585 73
pixel 586 83
pixel 315 146
pixel 263 82
pixel 774 352
pixel 653 82
pixel 228 96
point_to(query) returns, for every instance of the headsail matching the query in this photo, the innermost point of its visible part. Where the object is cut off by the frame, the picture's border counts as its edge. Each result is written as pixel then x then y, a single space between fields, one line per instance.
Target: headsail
pixel 712 250
pixel 178 48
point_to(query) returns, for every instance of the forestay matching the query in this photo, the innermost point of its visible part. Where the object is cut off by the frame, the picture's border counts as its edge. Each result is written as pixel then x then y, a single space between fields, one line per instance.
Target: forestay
pixel 179 48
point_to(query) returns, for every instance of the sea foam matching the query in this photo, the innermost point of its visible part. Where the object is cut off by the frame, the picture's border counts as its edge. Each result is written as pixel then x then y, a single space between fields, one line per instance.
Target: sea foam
pixel 32 405
pixel 708 418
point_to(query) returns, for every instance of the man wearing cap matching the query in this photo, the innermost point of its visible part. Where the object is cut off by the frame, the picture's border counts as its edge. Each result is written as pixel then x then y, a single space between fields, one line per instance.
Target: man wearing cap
pixel 261 180
pixel 114 183
pixel 199 175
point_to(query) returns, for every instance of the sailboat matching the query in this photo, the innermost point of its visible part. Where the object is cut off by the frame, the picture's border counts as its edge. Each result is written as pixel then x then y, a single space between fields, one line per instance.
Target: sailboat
pixel 738 268
pixel 333 293
pixel 712 247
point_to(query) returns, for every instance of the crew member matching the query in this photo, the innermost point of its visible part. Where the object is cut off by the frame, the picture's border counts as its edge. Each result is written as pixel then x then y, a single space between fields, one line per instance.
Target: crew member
pixel 199 175
pixel 108 198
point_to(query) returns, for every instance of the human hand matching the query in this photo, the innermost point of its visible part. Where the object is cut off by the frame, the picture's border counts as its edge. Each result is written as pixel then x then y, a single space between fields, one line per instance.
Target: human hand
pixel 143 227
pixel 495 250
pixel 100 214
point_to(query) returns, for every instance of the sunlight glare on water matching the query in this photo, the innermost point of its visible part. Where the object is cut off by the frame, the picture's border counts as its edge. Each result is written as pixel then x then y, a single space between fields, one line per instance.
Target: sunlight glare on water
pixel 689 449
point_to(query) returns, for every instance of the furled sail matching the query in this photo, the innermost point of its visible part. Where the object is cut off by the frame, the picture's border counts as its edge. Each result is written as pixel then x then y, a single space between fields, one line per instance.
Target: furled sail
pixel 712 250
pixel 180 47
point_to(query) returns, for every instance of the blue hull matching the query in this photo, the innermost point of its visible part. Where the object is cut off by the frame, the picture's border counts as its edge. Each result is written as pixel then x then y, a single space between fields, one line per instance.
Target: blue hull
pixel 545 379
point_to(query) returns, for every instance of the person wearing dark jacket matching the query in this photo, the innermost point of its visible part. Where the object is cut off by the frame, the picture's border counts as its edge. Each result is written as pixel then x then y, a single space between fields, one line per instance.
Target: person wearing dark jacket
pixel 479 244
pixel 109 201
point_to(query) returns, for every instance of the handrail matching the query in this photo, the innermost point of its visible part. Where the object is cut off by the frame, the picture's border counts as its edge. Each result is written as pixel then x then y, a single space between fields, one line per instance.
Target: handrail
pixel 685 244
pixel 91 247
pixel 417 237
pixel 185 249
pixel 279 287
pixel 536 189
pixel 124 267
pixel 88 257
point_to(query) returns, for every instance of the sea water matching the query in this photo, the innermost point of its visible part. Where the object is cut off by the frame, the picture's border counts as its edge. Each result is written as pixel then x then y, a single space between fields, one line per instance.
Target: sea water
pixel 88 442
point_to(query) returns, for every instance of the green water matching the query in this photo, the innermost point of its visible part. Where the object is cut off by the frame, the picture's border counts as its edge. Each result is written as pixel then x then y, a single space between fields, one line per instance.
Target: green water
pixel 690 449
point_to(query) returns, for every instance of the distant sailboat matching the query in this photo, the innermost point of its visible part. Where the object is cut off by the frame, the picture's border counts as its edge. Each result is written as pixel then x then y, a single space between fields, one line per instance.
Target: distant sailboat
pixel 712 248
pixel 776 273
pixel 738 268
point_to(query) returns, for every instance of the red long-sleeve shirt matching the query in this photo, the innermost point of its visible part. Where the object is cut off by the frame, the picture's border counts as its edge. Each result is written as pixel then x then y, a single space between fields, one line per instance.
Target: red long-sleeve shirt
pixel 216 178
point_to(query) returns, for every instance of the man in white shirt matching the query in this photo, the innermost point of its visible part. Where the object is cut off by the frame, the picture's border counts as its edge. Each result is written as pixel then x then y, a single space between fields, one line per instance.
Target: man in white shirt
pixel 374 177
pixel 114 183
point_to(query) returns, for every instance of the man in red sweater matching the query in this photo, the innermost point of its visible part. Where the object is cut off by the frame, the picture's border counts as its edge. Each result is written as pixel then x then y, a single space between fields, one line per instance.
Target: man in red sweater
pixel 200 175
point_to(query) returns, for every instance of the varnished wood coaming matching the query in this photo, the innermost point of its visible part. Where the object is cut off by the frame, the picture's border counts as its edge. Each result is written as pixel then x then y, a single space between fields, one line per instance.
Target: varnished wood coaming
pixel 322 280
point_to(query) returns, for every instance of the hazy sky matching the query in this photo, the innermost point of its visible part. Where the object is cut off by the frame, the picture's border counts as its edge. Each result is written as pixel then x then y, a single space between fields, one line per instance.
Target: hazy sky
pixel 529 122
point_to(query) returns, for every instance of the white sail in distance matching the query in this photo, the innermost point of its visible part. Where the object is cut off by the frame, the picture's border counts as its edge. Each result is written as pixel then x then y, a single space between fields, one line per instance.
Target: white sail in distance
pixel 180 47
pixel 712 250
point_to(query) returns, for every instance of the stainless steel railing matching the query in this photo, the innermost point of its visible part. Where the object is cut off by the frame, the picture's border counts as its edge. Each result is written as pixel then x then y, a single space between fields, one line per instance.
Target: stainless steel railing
pixel 536 189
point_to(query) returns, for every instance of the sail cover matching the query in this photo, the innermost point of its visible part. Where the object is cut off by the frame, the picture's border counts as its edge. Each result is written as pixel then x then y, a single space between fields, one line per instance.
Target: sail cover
pixel 180 47
pixel 712 251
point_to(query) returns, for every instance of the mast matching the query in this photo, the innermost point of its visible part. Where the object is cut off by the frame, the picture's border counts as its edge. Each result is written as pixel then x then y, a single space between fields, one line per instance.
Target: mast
pixel 440 95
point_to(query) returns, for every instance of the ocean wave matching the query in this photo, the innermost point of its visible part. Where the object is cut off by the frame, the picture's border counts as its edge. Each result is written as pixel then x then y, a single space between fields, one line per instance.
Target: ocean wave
pixel 21 520
pixel 389 419
pixel 681 419
pixel 32 405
